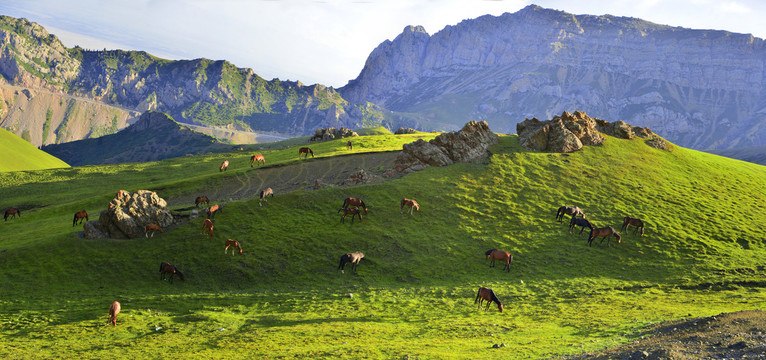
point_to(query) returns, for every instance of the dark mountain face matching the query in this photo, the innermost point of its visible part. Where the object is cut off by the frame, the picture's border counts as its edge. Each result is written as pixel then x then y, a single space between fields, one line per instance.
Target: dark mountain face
pixel 698 88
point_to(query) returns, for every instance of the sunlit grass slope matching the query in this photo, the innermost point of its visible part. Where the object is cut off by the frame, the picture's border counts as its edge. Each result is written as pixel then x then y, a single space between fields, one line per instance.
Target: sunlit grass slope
pixel 18 154
pixel 703 253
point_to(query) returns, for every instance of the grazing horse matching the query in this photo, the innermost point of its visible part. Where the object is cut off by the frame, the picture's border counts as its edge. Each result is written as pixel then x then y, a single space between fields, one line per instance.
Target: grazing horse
pixel 264 194
pixel 224 166
pixel 488 295
pixel 213 209
pixel 579 222
pixel 113 311
pixel 606 232
pixel 259 158
pixel 568 210
pixel 354 258
pixel 636 222
pixel 200 200
pixel 168 268
pixel 353 210
pixel 305 150
pixel 349 146
pixel 153 228
pixel 207 227
pixel 12 212
pixel 233 243
pixel 409 202
pixel 354 202
pixel 495 254
pixel 79 216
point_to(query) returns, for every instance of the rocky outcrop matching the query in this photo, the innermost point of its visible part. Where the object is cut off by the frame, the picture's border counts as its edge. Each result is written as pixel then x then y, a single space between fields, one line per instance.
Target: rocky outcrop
pixel 402 130
pixel 471 142
pixel 331 133
pixel 128 214
pixel 570 132
pixel 359 177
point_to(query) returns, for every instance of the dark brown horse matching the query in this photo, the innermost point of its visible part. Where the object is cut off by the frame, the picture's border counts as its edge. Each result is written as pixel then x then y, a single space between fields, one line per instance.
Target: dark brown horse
pixel 579 222
pixel 264 194
pixel 153 228
pixel 504 256
pixel 636 222
pixel 168 268
pixel 606 232
pixel 305 150
pixel 353 211
pixel 486 294
pixel 200 200
pixel 79 216
pixel 207 227
pixel 354 258
pixel 259 158
pixel 211 211
pixel 12 212
pixel 230 242
pixel 354 202
pixel 349 146
pixel 113 311
pixel 409 202
pixel 224 166
pixel 568 210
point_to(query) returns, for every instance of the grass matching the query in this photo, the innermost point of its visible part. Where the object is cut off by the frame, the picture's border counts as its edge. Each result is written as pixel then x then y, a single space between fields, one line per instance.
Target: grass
pixel 413 294
pixel 19 155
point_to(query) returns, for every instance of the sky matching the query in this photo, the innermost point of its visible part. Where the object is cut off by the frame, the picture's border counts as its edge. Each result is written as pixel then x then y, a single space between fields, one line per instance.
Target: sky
pixel 322 41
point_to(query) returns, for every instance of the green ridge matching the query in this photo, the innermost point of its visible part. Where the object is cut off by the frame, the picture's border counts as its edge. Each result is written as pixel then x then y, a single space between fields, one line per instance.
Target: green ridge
pixel 19 155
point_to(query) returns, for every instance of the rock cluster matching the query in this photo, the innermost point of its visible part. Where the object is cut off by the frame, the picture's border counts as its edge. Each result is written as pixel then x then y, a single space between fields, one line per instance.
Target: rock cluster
pixel 471 142
pixel 324 134
pixel 359 177
pixel 402 130
pixel 570 132
pixel 128 214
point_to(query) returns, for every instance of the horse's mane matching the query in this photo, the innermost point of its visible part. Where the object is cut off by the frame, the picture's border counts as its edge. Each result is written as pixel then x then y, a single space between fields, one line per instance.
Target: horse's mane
pixel 489 252
pixel 494 297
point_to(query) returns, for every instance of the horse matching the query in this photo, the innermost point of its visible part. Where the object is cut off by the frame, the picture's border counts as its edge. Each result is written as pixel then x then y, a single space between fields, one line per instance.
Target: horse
pixel 264 194
pixel 354 258
pixel 200 200
pixel 579 222
pixel 606 232
pixel 207 227
pixel 213 209
pixel 79 216
pixel 168 268
pixel 488 295
pixel 12 212
pixel 153 228
pixel 353 210
pixel 305 150
pixel 636 222
pixel 354 202
pixel 259 158
pixel 224 166
pixel 568 210
pixel 409 202
pixel 495 254
pixel 349 146
pixel 233 243
pixel 113 311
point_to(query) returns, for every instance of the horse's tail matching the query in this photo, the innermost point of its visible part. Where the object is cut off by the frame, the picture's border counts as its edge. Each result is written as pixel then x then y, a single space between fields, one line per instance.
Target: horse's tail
pixel 340 266
pixel 478 293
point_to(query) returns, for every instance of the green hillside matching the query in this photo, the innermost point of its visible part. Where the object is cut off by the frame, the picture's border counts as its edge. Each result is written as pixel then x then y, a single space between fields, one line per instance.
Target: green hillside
pixel 18 155
pixel 703 254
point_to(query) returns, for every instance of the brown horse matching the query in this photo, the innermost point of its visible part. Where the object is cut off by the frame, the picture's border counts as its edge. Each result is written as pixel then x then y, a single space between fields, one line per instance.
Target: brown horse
pixel 495 254
pixel 354 258
pixel 224 166
pixel 409 202
pixel 606 232
pixel 113 311
pixel 200 200
pixel 349 146
pixel 259 158
pixel 79 216
pixel 488 295
pixel 12 212
pixel 233 243
pixel 636 222
pixel 354 202
pixel 211 211
pixel 568 210
pixel 305 150
pixel 168 268
pixel 153 228
pixel 353 211
pixel 207 227
pixel 264 194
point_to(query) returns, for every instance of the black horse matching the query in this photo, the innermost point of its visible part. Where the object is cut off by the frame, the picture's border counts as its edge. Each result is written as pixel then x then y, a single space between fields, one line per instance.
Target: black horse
pixel 579 222
pixel 354 258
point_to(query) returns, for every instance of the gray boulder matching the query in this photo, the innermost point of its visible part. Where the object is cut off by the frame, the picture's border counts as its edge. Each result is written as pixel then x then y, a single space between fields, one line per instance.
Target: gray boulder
pixel 128 214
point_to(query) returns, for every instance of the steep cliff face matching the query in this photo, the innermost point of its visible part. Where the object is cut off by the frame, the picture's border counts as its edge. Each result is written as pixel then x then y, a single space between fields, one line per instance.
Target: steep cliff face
pixel 698 88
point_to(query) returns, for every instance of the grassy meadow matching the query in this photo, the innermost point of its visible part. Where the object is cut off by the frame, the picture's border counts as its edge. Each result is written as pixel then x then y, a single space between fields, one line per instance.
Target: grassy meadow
pixel 19 154
pixel 703 254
